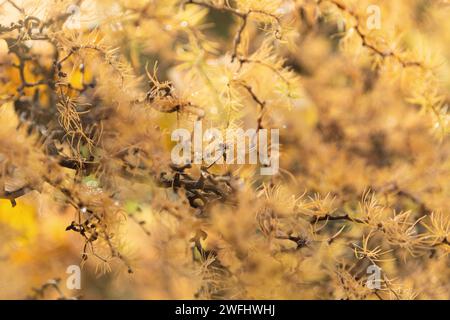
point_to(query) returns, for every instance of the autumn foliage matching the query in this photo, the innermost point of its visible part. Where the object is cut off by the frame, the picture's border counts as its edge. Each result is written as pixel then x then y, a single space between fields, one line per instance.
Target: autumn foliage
pixel 92 89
